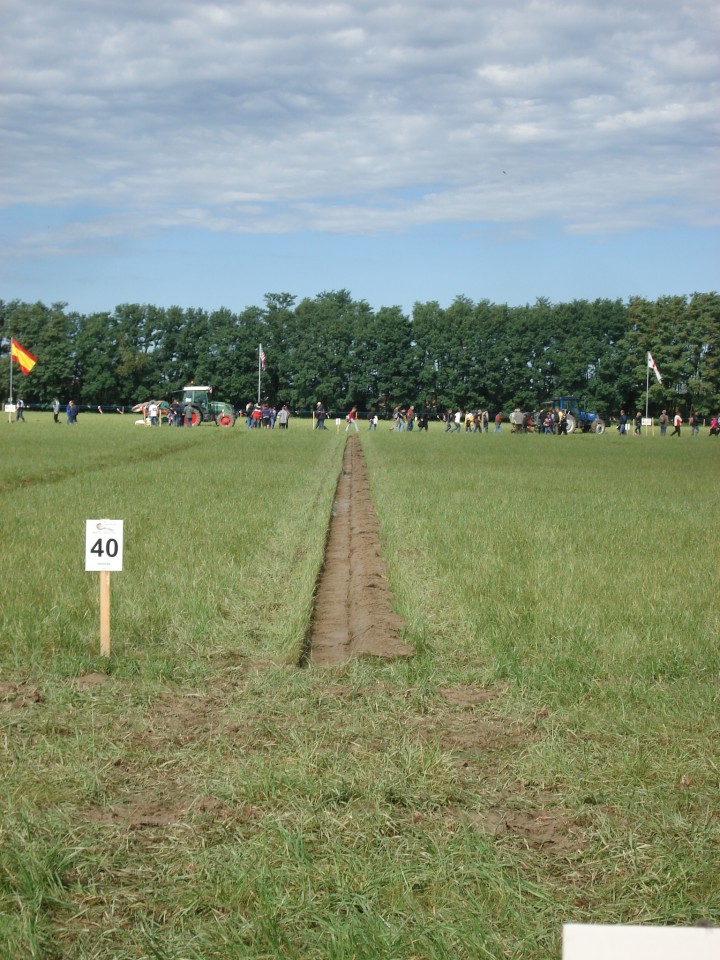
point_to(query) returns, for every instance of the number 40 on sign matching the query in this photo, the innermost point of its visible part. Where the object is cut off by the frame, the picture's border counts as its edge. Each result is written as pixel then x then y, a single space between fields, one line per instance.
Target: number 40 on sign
pixel 104 553
pixel 103 544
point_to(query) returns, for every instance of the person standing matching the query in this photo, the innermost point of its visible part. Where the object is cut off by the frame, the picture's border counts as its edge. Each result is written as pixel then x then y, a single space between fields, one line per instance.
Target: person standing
pixel 677 423
pixel 410 418
pixel 178 413
pixel 19 407
pixel 56 410
pixel 663 421
pixel 71 413
pixel 153 413
pixel 638 424
pixel 283 417
pixel 320 417
pixel 352 418
pixel 694 424
pixel 498 423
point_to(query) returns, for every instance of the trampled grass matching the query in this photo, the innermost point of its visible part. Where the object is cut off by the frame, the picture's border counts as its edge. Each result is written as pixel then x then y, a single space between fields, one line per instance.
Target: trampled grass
pixel 550 755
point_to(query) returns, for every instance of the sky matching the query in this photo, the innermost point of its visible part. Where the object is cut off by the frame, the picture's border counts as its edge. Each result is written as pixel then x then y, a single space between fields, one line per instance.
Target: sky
pixel 207 153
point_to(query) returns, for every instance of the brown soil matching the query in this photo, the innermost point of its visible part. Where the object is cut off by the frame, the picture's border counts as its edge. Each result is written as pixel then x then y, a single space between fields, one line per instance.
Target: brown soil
pixel 353 612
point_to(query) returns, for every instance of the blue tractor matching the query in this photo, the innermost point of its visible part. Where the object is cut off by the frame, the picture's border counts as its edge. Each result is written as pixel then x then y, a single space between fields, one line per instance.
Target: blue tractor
pixel 578 418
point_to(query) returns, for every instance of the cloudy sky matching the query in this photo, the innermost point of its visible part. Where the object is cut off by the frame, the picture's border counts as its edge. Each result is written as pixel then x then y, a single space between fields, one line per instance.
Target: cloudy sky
pixel 206 153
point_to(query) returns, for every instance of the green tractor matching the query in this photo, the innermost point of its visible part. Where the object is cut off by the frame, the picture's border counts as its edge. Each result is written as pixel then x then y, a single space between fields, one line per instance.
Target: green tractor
pixel 578 418
pixel 201 408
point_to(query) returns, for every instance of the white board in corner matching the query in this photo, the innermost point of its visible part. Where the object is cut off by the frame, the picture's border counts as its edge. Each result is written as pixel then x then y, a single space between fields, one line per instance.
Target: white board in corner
pixel 599 942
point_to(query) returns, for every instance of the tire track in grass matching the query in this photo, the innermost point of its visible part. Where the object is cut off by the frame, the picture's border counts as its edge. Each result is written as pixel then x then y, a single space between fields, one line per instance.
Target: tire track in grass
pixel 353 614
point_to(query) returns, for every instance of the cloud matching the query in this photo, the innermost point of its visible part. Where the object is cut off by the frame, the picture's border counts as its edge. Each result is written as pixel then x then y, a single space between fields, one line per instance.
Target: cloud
pixel 357 117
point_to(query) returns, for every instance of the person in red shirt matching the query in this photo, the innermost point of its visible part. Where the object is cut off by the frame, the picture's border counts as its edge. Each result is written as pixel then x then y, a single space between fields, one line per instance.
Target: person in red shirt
pixel 352 418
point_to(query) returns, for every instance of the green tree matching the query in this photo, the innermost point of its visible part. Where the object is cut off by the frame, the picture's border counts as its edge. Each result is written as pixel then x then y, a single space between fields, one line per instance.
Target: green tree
pixel 97 360
pixel 49 334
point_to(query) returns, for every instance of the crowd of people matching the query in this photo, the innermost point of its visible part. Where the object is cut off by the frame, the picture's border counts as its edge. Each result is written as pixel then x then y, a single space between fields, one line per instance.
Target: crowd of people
pixel 406 419
pixel 262 416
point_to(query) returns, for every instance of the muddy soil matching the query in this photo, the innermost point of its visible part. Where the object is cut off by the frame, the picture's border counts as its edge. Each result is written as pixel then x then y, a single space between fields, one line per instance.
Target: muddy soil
pixel 353 607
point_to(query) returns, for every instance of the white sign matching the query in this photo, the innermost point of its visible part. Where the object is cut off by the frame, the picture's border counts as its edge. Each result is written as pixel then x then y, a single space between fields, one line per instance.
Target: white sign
pixel 103 545
pixel 592 942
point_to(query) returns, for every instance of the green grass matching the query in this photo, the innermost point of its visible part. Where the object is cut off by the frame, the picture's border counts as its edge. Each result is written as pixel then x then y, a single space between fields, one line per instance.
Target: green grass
pixel 210 799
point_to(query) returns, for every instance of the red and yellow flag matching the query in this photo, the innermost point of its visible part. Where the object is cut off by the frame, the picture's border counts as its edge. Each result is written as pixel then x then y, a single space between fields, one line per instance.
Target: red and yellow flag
pixel 26 360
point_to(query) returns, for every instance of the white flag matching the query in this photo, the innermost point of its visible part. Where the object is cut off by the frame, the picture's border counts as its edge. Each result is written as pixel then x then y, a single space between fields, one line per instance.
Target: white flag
pixel 653 366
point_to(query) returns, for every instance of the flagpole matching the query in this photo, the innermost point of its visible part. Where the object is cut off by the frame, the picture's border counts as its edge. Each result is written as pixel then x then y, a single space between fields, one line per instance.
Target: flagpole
pixel 259 370
pixel 647 384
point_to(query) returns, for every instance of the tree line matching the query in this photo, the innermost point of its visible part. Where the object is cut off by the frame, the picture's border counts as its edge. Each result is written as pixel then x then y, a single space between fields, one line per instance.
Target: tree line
pixel 339 350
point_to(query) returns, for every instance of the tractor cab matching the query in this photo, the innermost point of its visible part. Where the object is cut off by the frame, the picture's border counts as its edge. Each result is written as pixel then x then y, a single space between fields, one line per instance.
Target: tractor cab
pixel 199 397
pixel 569 404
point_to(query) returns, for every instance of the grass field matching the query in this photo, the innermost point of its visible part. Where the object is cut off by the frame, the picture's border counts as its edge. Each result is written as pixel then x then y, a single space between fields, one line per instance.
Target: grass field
pixel 550 755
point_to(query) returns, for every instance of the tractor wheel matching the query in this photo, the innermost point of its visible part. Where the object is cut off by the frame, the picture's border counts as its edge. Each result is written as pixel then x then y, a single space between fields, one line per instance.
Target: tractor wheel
pixel 226 420
pixel 599 426
pixel 193 415
pixel 571 424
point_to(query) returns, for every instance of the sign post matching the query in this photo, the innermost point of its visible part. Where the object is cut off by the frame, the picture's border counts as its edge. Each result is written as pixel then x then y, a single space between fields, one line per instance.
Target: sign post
pixel 103 553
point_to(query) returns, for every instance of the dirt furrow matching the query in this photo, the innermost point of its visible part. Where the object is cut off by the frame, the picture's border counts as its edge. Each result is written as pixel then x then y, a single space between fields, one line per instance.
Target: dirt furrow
pixel 353 606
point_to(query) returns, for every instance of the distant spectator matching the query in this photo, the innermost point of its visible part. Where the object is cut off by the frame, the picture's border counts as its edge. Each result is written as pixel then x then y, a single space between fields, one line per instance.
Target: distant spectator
pixel 498 423
pixel 56 410
pixel 283 417
pixel 663 420
pixel 677 423
pixel 19 407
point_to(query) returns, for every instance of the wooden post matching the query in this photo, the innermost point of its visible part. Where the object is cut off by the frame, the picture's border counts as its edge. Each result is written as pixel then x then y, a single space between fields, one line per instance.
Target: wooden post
pixel 104 613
